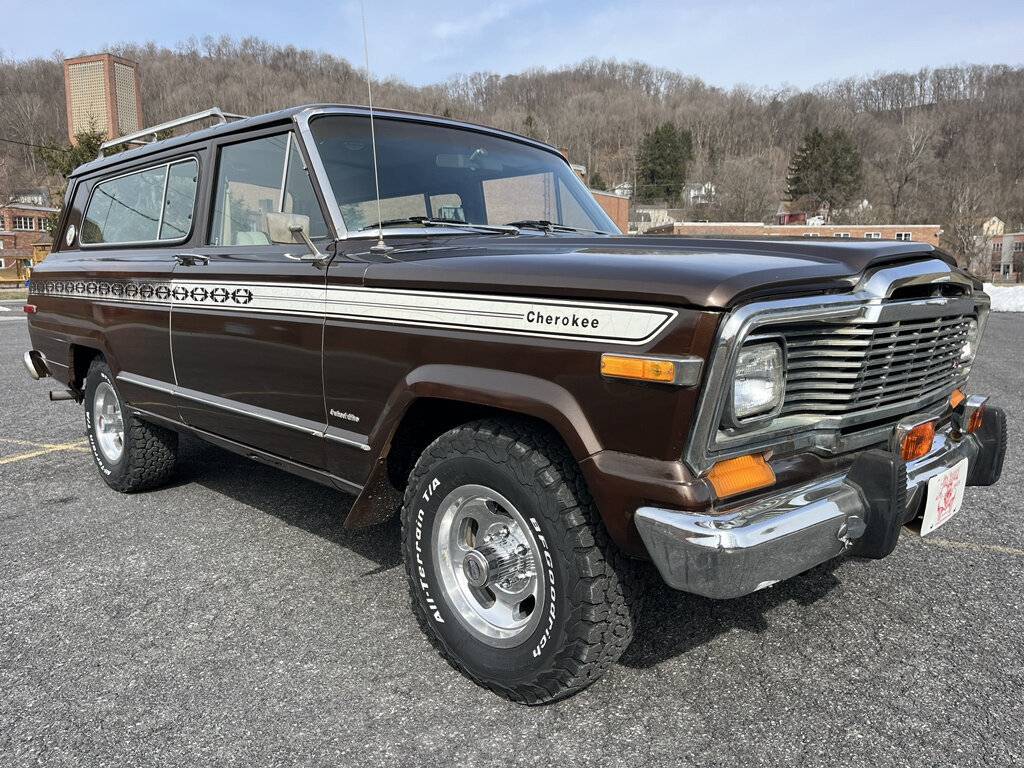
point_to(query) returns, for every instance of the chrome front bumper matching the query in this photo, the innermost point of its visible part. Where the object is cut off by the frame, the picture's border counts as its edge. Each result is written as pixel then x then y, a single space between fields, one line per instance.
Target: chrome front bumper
pixel 750 547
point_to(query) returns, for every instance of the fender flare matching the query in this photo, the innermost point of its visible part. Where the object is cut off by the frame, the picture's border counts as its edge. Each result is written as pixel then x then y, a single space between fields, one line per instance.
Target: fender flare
pixel 514 393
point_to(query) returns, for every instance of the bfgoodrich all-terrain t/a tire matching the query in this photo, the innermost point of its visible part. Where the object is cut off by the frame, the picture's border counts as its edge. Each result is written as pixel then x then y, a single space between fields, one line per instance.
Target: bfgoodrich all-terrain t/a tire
pixel 512 575
pixel 131 454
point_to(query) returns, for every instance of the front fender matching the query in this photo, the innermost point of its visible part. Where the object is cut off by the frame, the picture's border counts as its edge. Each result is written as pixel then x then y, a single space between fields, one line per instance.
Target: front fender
pixel 509 392
pixel 515 392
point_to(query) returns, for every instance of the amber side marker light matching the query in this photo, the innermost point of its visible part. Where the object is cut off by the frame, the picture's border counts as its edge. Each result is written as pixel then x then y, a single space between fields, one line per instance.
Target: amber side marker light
pixel 739 475
pixel 918 441
pixel 640 368
pixel 977 419
pixel 956 399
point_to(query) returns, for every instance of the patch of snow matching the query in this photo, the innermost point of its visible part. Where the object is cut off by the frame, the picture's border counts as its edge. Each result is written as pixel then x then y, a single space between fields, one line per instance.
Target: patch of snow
pixel 1006 298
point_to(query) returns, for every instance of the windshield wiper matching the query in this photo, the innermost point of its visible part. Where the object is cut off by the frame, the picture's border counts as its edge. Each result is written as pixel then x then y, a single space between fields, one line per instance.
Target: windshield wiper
pixel 428 222
pixel 549 226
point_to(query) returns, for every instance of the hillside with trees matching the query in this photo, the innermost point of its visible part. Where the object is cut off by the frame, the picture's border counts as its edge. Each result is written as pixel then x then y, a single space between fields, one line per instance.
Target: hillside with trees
pixel 935 146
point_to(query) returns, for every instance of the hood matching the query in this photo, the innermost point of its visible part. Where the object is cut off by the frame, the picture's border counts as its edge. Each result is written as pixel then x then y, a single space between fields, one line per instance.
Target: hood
pixel 706 273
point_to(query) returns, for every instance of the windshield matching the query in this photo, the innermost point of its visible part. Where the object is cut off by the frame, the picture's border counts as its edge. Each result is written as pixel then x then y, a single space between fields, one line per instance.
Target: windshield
pixel 442 173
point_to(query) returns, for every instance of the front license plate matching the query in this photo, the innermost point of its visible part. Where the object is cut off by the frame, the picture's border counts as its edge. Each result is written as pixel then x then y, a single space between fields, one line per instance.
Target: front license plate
pixel 945 495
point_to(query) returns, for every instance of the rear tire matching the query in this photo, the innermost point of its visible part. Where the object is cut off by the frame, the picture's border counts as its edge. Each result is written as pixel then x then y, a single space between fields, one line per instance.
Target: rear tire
pixel 132 455
pixel 511 573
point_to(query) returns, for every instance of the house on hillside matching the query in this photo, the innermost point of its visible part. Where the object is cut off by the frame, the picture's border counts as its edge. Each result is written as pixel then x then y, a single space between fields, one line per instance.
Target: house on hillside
pixel 24 223
pixel 1007 253
pixel 790 213
pixel 699 192
pixel 623 189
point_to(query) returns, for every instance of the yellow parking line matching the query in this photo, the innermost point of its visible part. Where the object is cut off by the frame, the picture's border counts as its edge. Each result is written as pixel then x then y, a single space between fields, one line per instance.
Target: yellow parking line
pixel 78 447
pixel 32 443
pixel 972 547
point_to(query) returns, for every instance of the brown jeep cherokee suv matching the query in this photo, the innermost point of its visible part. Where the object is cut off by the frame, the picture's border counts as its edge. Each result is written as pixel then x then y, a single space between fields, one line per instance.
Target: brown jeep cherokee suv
pixel 439 319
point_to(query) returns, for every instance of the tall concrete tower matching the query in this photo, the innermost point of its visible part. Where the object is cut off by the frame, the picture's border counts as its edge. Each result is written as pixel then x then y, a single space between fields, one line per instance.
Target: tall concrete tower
pixel 102 95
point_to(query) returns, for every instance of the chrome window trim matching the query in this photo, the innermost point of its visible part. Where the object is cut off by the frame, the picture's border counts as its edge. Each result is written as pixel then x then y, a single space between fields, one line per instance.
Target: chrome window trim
pixel 166 165
pixel 867 302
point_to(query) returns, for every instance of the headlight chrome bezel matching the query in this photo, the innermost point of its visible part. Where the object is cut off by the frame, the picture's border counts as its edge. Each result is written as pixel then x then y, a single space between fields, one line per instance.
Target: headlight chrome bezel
pixel 733 420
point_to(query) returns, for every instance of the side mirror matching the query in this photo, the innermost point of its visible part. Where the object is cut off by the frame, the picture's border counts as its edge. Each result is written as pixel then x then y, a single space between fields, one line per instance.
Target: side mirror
pixel 285 228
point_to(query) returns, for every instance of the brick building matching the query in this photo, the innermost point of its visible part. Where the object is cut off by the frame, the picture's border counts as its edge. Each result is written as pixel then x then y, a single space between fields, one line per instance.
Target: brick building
pixel 615 206
pixel 22 226
pixel 919 233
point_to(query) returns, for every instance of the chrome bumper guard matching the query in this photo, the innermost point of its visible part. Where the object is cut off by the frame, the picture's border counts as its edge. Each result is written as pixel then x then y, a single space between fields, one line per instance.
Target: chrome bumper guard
pixel 751 547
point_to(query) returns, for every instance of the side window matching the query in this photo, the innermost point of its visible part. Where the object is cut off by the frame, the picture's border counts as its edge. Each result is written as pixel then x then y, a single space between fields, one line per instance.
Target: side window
pixel 143 207
pixel 125 209
pixel 179 200
pixel 255 178
pixel 299 196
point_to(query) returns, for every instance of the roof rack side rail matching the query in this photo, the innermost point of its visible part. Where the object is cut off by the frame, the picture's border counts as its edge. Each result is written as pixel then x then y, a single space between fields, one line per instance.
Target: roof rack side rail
pixel 149 135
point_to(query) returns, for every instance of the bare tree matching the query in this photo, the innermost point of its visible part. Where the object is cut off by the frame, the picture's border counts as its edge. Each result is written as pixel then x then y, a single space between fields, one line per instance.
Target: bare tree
pixel 898 157
pixel 941 145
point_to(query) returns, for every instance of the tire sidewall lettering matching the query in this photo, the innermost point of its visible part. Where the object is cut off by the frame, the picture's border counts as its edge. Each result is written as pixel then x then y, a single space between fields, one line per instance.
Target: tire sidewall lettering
pixel 548 621
pixel 102 464
pixel 429 588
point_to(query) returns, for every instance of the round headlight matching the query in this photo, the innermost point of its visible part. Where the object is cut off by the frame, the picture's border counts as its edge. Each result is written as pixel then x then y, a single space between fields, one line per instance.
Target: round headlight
pixel 759 381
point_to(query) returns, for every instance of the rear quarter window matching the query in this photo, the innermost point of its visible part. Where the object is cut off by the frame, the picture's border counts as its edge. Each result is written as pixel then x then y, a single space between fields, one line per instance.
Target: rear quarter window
pixel 146 206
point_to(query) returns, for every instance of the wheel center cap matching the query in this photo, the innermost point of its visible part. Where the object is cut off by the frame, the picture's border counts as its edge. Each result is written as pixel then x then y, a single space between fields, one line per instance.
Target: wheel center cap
pixel 476 569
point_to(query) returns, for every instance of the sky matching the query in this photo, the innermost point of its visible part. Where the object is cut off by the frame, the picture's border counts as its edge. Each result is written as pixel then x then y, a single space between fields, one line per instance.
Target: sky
pixel 724 42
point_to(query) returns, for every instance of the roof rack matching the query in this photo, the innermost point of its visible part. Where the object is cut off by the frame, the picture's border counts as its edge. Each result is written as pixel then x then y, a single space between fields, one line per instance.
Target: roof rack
pixel 140 137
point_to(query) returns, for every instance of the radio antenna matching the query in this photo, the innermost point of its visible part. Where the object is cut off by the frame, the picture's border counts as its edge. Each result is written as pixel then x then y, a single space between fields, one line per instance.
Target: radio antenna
pixel 380 247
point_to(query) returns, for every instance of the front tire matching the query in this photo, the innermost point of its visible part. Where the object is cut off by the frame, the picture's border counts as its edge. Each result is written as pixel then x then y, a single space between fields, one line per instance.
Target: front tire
pixel 131 455
pixel 511 573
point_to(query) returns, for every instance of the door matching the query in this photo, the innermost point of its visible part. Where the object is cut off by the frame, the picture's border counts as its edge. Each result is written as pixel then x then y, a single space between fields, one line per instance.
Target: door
pixel 128 233
pixel 248 318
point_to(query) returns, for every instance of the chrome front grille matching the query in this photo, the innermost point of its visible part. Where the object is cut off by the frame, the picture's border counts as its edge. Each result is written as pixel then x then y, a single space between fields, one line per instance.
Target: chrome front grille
pixel 838 370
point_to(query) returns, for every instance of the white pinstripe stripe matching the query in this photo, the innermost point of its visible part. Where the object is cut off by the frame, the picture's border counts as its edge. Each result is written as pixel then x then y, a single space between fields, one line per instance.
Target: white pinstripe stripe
pixel 586 321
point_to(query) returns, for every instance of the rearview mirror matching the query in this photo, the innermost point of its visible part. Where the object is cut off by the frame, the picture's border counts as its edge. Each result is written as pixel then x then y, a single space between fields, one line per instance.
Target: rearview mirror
pixel 287 228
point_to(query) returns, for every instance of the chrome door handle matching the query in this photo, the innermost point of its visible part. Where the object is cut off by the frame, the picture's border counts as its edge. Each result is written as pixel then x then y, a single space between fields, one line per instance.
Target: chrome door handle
pixel 191 259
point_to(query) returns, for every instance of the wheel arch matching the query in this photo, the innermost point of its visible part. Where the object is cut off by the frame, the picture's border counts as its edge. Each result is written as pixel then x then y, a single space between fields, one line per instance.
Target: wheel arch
pixel 436 398
pixel 80 357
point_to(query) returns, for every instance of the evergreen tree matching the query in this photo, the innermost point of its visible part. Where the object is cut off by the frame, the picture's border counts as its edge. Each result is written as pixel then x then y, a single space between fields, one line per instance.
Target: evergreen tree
pixel 661 163
pixel 597 181
pixel 62 160
pixel 530 127
pixel 825 169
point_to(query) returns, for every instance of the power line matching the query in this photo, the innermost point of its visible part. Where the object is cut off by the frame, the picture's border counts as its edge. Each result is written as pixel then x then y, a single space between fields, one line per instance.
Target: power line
pixel 33 146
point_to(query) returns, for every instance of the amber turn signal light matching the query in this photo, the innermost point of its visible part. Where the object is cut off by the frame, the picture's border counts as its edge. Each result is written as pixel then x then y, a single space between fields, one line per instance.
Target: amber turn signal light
pixel 639 368
pixel 977 419
pixel 918 441
pixel 956 399
pixel 739 475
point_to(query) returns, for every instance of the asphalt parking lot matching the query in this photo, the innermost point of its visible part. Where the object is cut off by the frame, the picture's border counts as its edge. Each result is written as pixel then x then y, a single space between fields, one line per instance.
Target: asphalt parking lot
pixel 230 619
